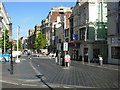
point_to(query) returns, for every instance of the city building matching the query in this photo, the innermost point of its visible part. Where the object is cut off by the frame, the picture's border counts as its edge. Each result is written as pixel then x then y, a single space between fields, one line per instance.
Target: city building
pixel 32 36
pixel 24 42
pixel 88 30
pixel 4 22
pixel 54 21
pixel 114 32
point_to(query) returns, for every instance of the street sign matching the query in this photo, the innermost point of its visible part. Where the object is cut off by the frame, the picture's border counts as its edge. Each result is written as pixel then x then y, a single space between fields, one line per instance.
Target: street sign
pixel 65 46
pixel 67 58
pixel 53 37
pixel 73 36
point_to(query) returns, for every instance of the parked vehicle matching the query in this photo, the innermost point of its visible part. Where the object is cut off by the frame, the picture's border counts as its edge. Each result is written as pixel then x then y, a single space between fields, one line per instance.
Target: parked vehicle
pixel 15 53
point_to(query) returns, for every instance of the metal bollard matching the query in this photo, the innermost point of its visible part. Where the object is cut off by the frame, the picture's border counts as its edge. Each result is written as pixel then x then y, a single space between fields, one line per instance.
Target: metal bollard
pixel 68 64
pixel 88 60
pixel 82 60
pixel 100 60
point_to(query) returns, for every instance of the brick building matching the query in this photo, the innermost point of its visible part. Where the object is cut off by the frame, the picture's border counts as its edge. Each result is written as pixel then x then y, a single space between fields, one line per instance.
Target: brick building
pixel 32 36
pixel 54 20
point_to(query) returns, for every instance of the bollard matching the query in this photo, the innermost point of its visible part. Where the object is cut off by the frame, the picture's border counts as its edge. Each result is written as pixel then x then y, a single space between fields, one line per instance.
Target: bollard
pixel 61 61
pixel 56 61
pixel 82 60
pixel 68 64
pixel 88 60
pixel 100 60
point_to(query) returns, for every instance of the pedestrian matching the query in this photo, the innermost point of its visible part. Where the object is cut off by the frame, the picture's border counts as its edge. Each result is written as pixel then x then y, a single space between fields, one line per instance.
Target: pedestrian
pixel 29 54
pixel 59 58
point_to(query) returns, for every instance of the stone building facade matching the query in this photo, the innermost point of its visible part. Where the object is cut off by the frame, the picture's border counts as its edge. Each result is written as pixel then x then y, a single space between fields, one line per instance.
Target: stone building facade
pixel 88 31
pixel 4 22
pixel 114 32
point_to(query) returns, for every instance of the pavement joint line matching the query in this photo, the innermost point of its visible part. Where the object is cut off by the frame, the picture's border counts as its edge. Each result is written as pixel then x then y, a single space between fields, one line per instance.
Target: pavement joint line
pixel 70 86
pixel 29 80
pixel 29 84
pixel 9 82
pixel 36 71
pixel 66 68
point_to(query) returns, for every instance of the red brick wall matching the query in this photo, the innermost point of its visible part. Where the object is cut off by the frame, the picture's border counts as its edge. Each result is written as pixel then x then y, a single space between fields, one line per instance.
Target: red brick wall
pixel 67 14
pixel 54 15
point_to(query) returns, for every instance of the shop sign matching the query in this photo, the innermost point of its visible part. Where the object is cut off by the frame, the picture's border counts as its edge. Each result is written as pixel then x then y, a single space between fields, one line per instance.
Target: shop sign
pixel 115 40
pixel 75 36
pixel 67 58
pixel 53 37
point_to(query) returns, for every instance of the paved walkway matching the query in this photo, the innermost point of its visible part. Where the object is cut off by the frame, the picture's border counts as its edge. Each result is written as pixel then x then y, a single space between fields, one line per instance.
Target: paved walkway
pixel 75 63
pixel 77 75
pixel 106 66
pixel 21 71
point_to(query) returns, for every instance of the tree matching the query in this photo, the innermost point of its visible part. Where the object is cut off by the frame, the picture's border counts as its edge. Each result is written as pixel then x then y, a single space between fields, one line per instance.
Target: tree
pixel 19 45
pixel 7 45
pixel 40 41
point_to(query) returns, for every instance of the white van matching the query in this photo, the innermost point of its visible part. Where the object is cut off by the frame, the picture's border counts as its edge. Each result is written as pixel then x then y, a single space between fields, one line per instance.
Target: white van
pixel 15 53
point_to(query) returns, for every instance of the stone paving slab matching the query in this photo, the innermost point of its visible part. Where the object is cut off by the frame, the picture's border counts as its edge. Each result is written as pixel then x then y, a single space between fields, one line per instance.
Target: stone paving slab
pixel 21 70
pixel 77 74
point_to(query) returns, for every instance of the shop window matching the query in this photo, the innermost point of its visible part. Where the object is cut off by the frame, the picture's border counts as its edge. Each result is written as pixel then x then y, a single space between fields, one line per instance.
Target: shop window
pixel 115 52
pixel 96 52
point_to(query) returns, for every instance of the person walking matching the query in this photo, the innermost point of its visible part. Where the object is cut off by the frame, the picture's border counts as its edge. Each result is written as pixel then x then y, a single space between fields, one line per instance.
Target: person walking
pixel 29 54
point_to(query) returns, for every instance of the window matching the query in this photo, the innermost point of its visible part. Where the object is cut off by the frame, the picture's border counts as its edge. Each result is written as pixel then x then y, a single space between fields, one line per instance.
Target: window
pixel 82 34
pixel 84 17
pixel 61 8
pixel 115 52
pixel 118 28
pixel 96 52
pixel 87 33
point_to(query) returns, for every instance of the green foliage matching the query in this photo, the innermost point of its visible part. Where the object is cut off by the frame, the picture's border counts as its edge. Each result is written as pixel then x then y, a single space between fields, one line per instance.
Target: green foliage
pixel 15 47
pixel 19 45
pixel 40 41
pixel 7 45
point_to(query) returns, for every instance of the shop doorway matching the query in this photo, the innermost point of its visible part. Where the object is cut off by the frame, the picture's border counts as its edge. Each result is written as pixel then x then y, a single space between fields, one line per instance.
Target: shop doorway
pixel 96 52
pixel 86 54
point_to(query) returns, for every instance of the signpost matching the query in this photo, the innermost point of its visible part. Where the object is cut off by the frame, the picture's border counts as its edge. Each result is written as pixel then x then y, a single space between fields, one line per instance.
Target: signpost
pixel 67 60
pixel 65 46
pixel 10 42
pixel 11 62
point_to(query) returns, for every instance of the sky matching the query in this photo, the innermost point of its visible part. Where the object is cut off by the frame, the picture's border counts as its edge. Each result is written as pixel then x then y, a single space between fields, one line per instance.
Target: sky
pixel 28 14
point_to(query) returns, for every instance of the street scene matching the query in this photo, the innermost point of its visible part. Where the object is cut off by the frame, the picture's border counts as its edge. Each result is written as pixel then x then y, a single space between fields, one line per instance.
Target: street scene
pixel 60 45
